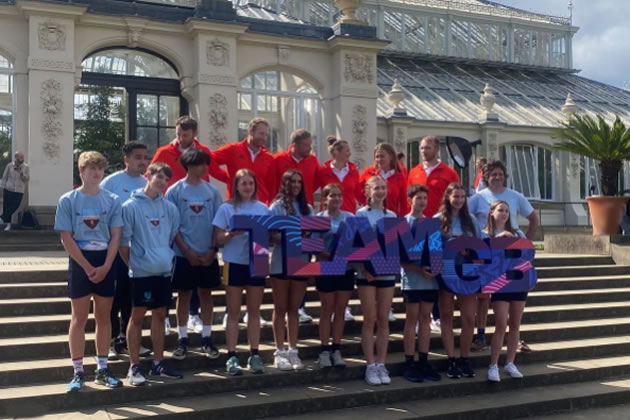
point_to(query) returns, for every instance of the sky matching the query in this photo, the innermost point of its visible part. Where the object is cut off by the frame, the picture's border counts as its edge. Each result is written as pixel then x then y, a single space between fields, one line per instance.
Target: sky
pixel 601 47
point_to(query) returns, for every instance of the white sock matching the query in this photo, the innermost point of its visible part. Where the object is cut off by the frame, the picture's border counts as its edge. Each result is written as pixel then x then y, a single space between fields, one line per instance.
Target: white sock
pixel 206 331
pixel 101 362
pixel 77 364
pixel 183 331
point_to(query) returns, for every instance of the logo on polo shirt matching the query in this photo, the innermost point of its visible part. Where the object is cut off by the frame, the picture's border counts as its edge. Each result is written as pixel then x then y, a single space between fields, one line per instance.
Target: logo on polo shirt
pixel 155 221
pixel 91 217
pixel 195 203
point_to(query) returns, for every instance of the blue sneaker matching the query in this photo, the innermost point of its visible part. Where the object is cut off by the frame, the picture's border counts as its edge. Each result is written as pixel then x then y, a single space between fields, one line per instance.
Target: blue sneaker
pixel 107 378
pixel 76 384
pixel 164 370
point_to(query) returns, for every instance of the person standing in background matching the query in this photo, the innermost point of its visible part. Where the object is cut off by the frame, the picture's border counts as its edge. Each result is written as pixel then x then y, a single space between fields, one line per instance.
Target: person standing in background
pixel 14 180
pixel 480 182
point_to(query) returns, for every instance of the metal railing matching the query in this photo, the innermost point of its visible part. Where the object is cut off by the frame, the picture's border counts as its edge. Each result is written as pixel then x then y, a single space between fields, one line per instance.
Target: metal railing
pixel 542 206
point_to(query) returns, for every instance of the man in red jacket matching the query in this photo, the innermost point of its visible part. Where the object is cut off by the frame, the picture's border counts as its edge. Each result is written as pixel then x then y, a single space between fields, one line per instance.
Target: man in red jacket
pixel 433 173
pixel 251 154
pixel 186 131
pixel 297 157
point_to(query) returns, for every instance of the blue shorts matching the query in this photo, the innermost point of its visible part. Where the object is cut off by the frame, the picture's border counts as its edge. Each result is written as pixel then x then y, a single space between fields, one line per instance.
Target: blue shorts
pixel 379 284
pixel 151 292
pixel 187 277
pixel 509 297
pixel 417 296
pixel 238 275
pixel 80 286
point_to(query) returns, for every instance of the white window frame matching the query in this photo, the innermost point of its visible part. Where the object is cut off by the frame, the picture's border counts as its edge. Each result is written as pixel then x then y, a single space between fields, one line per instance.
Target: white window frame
pixel 513 172
pixel 10 71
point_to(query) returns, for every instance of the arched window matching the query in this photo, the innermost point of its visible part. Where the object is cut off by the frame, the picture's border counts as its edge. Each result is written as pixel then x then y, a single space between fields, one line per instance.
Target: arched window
pixel 287 101
pixel 6 111
pixel 531 170
pixel 135 94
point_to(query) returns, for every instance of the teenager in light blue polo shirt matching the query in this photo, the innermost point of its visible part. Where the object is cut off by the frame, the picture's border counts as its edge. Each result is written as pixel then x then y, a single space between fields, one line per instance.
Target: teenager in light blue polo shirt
pixel 236 274
pixel 375 292
pixel 288 292
pixel 151 223
pixel 196 265
pixel 89 220
pixel 420 290
pixel 122 184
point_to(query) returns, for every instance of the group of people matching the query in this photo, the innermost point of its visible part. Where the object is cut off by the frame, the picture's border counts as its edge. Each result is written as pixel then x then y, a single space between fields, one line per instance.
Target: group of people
pixel 142 232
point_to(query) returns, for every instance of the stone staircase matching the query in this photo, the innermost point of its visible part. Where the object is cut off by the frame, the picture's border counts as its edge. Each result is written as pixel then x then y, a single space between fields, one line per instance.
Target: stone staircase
pixel 577 322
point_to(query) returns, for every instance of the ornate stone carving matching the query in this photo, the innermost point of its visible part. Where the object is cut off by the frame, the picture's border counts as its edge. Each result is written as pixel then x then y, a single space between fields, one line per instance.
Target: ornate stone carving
pixel 218 119
pixel 52 108
pixel 395 97
pixel 133 37
pixel 575 165
pixel 400 140
pixel 569 108
pixel 283 54
pixel 218 53
pixel 217 79
pixel 349 8
pixel 359 134
pixel 358 68
pixel 36 63
pixel 52 36
pixel 371 93
pixel 493 148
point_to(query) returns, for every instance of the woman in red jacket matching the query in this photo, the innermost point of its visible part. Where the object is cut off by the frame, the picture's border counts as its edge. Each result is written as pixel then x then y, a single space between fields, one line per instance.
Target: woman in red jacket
pixel 339 170
pixel 386 166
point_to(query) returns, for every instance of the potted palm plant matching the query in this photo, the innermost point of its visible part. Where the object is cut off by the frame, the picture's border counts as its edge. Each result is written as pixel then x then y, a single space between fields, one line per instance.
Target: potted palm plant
pixel 610 146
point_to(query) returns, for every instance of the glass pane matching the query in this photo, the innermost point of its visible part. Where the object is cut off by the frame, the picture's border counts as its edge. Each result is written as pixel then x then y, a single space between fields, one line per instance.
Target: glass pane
pixel 4 62
pixel 166 135
pixel 147 110
pixel 5 138
pixel 169 110
pixel 129 63
pixel 5 86
pixel 272 80
pixel 247 82
pixel 148 136
pixel 259 81
pixel 245 101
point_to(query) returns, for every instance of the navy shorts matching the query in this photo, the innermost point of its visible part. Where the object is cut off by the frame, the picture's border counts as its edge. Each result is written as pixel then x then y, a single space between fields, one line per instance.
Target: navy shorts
pixel 379 284
pixel 80 286
pixel 509 297
pixel 283 277
pixel 187 277
pixel 238 275
pixel 417 296
pixel 330 284
pixel 151 292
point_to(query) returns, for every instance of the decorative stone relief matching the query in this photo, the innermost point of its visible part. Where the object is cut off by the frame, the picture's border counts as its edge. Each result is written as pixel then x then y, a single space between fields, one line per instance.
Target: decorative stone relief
pixel 575 165
pixel 218 119
pixel 52 36
pixel 217 79
pixel 283 54
pixel 52 108
pixel 358 68
pixel 36 63
pixel 359 134
pixel 400 141
pixel 218 53
pixel 133 37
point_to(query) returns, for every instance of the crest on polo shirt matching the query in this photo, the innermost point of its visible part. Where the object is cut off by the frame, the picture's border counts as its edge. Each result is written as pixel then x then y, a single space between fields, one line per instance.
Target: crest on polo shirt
pixel 91 217
pixel 196 203
pixel 155 220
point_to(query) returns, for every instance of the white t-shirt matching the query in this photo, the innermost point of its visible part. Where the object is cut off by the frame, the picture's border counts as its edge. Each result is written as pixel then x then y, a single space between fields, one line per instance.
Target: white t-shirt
pixel 479 205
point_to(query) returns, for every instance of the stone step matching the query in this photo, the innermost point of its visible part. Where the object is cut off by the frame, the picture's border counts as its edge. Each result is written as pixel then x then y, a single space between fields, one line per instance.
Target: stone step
pixel 573 400
pixel 576 271
pixel 211 395
pixel 35 358
pixel 553 260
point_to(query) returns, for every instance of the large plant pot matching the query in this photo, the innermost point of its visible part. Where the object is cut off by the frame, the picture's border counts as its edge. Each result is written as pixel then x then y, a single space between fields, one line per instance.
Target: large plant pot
pixel 607 213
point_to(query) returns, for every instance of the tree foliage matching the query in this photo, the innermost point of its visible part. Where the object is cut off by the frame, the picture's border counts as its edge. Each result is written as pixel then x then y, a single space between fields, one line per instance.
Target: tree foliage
pixel 101 131
pixel 596 139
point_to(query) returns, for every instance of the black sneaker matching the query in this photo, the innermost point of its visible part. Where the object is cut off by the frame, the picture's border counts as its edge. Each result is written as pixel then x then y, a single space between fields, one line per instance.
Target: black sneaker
pixel 429 373
pixel 411 372
pixel 181 350
pixel 208 348
pixel 164 370
pixel 466 367
pixel 453 370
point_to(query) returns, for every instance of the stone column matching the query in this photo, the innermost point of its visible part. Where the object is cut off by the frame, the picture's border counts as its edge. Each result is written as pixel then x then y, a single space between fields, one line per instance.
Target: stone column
pixel 51 71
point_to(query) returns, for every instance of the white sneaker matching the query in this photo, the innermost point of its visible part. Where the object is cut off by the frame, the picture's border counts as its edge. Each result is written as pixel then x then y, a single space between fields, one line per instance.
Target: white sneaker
pixel 263 322
pixel 8 227
pixel 167 326
pixel 436 327
pixel 348 315
pixel 511 370
pixel 392 318
pixel 280 360
pixel 371 375
pixel 383 374
pixel 294 359
pixel 304 317
pixel 324 360
pixel 224 323
pixel 337 359
pixel 144 352
pixel 194 324
pixel 135 376
pixel 493 374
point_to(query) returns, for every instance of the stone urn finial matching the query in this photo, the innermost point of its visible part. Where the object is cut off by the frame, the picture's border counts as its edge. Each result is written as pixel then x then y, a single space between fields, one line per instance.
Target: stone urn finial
pixel 487 101
pixel 569 108
pixel 349 8
pixel 395 96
